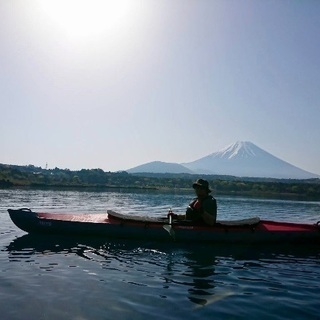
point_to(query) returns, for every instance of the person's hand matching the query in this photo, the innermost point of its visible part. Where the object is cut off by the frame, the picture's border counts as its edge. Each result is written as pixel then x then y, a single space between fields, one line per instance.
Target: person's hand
pixel 189 211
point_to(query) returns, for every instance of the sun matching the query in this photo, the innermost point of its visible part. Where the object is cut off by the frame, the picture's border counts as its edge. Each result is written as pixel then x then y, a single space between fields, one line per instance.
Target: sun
pixel 81 19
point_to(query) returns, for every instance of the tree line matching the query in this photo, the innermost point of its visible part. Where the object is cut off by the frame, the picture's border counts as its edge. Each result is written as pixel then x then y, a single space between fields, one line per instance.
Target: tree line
pixel 35 177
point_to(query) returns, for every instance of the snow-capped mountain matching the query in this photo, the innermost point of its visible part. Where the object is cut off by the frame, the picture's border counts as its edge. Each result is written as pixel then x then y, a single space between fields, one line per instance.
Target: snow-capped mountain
pixel 245 159
pixel 240 159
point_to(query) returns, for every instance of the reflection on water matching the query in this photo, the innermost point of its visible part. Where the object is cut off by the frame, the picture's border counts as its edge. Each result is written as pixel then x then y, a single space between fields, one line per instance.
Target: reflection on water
pixel 85 278
pixel 201 270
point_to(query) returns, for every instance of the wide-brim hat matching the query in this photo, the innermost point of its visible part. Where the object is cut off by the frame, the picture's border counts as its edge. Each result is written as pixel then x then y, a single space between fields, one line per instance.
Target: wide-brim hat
pixel 202 184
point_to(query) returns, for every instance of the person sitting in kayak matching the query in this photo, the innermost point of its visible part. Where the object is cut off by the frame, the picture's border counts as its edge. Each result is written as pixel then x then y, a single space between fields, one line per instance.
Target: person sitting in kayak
pixel 202 209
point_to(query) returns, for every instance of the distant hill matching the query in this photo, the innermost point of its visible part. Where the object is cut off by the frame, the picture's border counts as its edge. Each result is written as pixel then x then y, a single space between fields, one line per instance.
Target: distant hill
pixel 160 167
pixel 240 159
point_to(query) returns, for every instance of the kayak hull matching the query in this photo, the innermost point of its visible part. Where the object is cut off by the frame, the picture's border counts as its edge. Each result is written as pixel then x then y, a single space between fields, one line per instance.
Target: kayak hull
pixel 107 225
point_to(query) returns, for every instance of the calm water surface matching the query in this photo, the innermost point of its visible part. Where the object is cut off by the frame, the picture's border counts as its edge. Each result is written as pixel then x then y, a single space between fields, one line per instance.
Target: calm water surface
pixel 84 278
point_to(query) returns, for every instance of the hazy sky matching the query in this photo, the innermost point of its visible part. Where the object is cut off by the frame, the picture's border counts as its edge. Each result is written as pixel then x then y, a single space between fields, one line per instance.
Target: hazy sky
pixel 114 84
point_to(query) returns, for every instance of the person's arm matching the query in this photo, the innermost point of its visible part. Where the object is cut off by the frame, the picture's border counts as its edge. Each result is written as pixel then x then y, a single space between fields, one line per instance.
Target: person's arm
pixel 208 218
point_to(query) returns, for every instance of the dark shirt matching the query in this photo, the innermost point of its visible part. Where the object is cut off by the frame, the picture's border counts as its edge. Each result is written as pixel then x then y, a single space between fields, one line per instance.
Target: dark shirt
pixel 198 206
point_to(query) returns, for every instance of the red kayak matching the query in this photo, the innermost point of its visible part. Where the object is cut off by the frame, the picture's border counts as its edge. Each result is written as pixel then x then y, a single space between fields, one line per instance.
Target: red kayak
pixel 117 225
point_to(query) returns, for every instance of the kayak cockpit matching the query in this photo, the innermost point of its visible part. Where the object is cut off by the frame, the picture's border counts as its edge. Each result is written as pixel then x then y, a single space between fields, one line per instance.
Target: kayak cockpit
pixel 128 217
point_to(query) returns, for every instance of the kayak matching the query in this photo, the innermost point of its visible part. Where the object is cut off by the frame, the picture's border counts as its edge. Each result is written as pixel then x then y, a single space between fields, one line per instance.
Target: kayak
pixel 116 225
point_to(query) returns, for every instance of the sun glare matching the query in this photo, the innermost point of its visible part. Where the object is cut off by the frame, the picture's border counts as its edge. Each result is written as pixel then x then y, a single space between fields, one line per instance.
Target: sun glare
pixel 85 19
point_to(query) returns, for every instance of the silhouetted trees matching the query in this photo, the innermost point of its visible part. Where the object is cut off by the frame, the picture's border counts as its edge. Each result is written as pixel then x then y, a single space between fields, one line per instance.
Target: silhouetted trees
pixel 31 176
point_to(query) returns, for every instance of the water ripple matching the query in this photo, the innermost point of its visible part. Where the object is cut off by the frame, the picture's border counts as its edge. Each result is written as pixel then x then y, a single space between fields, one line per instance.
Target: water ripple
pixel 84 278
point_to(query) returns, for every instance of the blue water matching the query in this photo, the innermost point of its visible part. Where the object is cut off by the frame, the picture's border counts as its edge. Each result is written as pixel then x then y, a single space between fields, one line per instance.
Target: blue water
pixel 85 278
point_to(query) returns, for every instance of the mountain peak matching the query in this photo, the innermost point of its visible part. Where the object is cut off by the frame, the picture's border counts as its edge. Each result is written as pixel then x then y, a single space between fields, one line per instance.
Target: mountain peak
pixel 240 149
pixel 242 159
pixel 160 167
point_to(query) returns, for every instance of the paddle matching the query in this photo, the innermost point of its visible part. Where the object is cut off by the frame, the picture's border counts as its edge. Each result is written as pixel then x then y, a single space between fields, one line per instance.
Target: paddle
pixel 168 227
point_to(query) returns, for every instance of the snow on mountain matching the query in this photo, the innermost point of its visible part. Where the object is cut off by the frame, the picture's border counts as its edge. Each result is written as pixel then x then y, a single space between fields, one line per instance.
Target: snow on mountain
pixel 245 159
pixel 160 167
pixel 238 149
pixel 240 159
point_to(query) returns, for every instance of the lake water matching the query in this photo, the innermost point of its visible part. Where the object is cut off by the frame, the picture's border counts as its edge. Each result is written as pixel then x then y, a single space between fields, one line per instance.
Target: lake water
pixel 69 278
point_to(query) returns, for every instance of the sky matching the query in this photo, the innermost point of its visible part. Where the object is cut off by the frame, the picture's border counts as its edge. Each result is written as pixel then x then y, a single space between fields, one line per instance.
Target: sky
pixel 115 84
